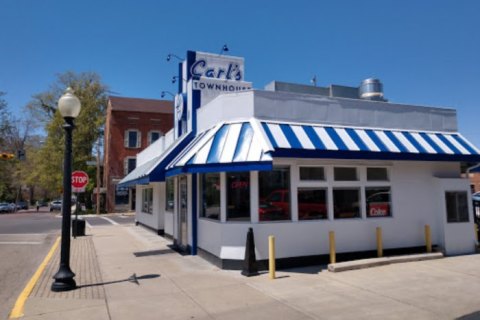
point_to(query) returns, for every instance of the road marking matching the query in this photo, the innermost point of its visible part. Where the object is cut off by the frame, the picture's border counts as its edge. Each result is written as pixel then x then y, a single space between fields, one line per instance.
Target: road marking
pixel 110 220
pixel 17 311
pixel 20 242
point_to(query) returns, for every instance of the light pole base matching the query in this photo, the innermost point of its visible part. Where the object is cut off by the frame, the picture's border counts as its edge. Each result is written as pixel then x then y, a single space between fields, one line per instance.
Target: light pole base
pixel 64 280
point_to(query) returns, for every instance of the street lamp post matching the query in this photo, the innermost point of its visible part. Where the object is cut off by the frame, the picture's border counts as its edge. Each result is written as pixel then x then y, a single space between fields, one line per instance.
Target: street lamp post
pixel 69 107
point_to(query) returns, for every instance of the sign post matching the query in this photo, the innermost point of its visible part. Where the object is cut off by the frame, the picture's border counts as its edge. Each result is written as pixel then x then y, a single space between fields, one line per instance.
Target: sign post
pixel 79 183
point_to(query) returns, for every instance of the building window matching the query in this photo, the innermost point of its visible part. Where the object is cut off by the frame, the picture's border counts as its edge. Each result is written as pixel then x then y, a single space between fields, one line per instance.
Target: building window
pixel 169 195
pixel 457 206
pixel 210 195
pixel 147 200
pixel 153 136
pixel 238 196
pixel 377 174
pixel 132 138
pixel 274 194
pixel 346 203
pixel 378 202
pixel 129 165
pixel 312 174
pixel 345 174
pixel 312 204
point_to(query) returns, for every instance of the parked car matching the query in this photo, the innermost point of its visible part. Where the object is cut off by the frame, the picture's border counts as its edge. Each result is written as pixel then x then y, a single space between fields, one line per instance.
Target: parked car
pixel 56 205
pixel 5 208
pixel 22 205
pixel 476 196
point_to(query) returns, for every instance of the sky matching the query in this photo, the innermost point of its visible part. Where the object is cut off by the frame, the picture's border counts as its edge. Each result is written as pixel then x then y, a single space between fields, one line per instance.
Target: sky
pixel 424 52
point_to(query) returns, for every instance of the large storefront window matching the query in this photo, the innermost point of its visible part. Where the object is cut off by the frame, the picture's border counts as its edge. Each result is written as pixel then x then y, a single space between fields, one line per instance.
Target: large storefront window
pixel 346 203
pixel 312 204
pixel 274 194
pixel 238 196
pixel 147 200
pixel 378 202
pixel 210 184
pixel 169 196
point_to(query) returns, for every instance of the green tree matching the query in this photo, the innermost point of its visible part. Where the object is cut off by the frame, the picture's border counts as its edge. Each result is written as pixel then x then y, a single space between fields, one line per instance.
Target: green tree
pixel 88 126
pixel 6 166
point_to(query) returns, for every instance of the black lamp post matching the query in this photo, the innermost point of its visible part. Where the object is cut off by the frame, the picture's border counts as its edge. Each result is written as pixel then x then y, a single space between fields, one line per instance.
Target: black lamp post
pixel 69 107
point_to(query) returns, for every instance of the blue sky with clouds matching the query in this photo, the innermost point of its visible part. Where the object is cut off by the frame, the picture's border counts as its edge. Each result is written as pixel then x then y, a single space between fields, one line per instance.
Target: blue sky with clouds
pixel 425 52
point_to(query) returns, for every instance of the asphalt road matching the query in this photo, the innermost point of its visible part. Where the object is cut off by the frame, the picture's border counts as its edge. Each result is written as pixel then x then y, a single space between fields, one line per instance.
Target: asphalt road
pixel 25 239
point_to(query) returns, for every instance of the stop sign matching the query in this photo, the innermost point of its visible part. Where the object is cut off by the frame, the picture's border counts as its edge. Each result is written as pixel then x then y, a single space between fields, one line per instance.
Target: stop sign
pixel 79 181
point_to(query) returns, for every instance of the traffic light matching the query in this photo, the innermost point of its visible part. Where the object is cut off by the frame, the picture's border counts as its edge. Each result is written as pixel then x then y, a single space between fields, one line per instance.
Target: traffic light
pixel 6 156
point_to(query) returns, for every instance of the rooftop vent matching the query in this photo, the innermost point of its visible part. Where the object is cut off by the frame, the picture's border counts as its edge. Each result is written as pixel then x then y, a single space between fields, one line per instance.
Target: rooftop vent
pixel 371 89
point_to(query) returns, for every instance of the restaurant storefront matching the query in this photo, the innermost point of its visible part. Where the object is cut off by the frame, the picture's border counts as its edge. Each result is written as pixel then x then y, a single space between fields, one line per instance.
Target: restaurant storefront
pixel 296 163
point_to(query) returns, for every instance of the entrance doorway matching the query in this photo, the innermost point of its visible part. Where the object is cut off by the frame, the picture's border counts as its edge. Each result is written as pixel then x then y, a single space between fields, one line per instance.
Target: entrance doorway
pixel 182 240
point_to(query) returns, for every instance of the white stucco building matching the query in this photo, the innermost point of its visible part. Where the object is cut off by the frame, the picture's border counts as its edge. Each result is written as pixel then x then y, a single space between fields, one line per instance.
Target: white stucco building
pixel 298 161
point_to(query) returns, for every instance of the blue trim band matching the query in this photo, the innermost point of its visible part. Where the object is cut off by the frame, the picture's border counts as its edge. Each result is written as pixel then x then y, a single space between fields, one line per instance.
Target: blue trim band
pixel 368 155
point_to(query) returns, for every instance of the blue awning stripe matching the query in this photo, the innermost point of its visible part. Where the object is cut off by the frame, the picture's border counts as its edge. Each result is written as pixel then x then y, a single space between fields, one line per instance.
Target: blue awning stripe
pixel 217 145
pixel 431 142
pixel 396 142
pixel 463 143
pixel 269 134
pixel 312 135
pixel 377 140
pixel 448 143
pixel 244 142
pixel 414 142
pixel 291 137
pixel 336 138
pixel 356 138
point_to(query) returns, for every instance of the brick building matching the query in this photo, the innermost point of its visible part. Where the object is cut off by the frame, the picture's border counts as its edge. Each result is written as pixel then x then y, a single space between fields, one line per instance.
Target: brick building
pixel 131 125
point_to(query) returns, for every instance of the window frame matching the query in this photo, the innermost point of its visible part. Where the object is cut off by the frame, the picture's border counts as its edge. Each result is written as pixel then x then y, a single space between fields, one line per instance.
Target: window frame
pixel 126 163
pixel 151 132
pixel 458 218
pixel 147 200
pixel 126 138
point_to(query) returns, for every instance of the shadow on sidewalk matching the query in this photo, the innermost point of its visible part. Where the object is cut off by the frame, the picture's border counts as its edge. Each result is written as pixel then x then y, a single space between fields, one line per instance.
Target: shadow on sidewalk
pixel 133 278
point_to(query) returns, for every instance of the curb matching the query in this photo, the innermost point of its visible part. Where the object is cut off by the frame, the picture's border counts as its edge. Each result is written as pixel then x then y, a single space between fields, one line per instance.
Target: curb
pixel 17 311
pixel 375 262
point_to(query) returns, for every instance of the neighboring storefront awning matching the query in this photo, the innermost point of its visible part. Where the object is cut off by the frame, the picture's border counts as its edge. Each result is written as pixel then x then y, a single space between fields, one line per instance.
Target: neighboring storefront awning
pixel 236 146
pixel 154 170
pixel 322 141
pixel 251 145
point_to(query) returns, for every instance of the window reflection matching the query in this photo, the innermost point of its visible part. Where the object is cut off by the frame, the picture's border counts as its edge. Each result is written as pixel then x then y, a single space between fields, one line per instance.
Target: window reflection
pixel 238 196
pixel 210 196
pixel 274 194
pixel 312 204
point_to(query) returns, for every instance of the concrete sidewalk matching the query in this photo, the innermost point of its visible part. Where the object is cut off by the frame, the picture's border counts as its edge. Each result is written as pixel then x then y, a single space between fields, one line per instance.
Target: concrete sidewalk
pixel 171 286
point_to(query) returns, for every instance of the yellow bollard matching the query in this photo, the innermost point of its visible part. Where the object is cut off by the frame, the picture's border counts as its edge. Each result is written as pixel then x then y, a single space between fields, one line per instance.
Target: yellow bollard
pixel 379 243
pixel 428 238
pixel 331 236
pixel 271 257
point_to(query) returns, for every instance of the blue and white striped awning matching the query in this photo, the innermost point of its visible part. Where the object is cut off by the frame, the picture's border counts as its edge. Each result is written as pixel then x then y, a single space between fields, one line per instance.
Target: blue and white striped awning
pixel 251 145
pixel 236 146
pixel 301 140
